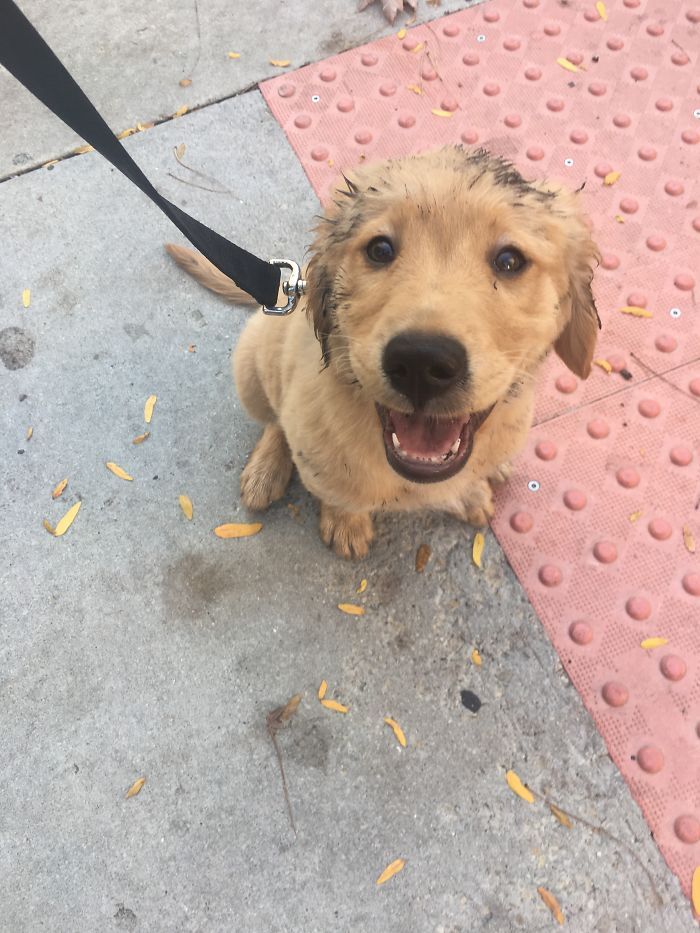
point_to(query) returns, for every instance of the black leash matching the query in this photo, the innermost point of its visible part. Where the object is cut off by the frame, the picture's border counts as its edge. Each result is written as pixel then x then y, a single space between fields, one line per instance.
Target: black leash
pixel 26 56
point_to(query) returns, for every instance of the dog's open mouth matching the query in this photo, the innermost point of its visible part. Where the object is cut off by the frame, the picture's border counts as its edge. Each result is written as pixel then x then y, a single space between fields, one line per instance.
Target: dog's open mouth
pixel 426 449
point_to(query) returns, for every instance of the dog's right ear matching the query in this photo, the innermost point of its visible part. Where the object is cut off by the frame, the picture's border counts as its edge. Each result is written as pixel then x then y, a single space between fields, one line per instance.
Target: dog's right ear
pixel 319 303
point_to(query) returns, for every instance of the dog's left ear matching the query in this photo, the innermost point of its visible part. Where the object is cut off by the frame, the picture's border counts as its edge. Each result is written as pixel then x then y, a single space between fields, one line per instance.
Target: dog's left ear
pixel 319 300
pixel 576 343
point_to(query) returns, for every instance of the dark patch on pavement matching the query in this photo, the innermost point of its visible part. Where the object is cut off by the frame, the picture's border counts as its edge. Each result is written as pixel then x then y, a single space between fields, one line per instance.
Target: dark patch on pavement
pixel 308 744
pixel 471 701
pixel 125 917
pixel 16 347
pixel 194 582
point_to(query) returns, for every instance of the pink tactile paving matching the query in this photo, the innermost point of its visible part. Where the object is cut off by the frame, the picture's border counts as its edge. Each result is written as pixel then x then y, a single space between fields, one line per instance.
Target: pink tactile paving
pixel 601 513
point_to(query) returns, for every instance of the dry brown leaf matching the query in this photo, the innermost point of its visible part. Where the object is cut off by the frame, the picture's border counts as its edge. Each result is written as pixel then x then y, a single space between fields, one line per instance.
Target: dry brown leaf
pixel 290 707
pixel 552 903
pixel 391 870
pixel 64 524
pixel 323 687
pixel 234 530
pixel 636 312
pixel 362 587
pixel 415 88
pixel 59 488
pixel 656 642
pixel 117 470
pixel 478 548
pixel 140 438
pixel 180 150
pixel 186 506
pixel 611 178
pixel 635 516
pixel 335 706
pixel 517 786
pixel 135 788
pixel 234 54
pixel 476 657
pixel 185 82
pixel 441 113
pixel 26 297
pixel 688 539
pixel 422 557
pixel 351 609
pixel 181 111
pixel 561 816
pixel 148 408
pixel 280 62
pixel 48 526
pixel 565 63
pixel 602 12
pixel 397 730
pixel 695 891
pixel 603 365
pixel 30 433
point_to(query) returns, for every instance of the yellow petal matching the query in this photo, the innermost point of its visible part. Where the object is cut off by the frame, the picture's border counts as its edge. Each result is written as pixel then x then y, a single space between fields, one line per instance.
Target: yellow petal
pixel 636 312
pixel 280 62
pixel 185 82
pixel 350 609
pixel 603 365
pixel 611 178
pixel 135 788
pixel 517 786
pixel 26 297
pixel 422 557
pixel 391 870
pixel 398 731
pixel 619 218
pixel 565 63
pixel 476 657
pixel 688 539
pixel 323 686
pixel 401 34
pixel 82 149
pixel 59 488
pixel 561 816
pixel 186 506
pixel 441 113
pixel 362 587
pixel 335 706
pixel 125 133
pixel 553 904
pixel 180 150
pixel 695 891
pixel 635 516
pixel 64 524
pixel 234 54
pixel 657 642
pixel 478 548
pixel 418 48
pixel 30 432
pixel 181 111
pixel 140 438
pixel 117 470
pixel 50 164
pixel 237 531
pixel 49 527
pixel 142 127
pixel 148 408
pixel 602 12
pixel 415 88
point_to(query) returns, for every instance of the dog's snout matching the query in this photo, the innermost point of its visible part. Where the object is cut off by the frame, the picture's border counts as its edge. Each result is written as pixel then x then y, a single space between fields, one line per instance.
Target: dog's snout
pixel 423 366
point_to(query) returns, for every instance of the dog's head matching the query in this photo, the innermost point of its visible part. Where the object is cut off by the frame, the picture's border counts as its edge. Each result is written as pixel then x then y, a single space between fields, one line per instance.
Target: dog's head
pixel 439 282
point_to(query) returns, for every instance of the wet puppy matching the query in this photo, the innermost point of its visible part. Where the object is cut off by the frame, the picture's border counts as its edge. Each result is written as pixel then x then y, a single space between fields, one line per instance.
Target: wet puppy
pixel 436 287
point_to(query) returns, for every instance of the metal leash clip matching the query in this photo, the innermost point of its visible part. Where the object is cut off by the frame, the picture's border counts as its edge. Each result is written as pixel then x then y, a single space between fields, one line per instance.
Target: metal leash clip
pixel 293 287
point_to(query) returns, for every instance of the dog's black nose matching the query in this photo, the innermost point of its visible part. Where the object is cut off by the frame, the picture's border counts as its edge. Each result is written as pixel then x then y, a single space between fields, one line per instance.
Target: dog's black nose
pixel 422 366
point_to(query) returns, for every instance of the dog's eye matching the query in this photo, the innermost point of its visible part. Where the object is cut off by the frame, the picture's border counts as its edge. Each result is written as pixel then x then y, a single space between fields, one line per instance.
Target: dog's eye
pixel 509 260
pixel 380 250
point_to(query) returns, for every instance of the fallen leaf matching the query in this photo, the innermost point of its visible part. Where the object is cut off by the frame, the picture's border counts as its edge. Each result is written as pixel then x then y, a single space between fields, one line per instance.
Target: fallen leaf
pixel 561 816
pixel 565 63
pixel 59 488
pixel 148 408
pixel 351 609
pixel 441 113
pixel 125 133
pixel 602 12
pixel 186 506
pixel 135 788
pixel 422 557
pixel 323 686
pixel 290 707
pixel 517 786
pixel 64 524
pixel 415 88
pixel 185 82
pixel 418 48
pixel 30 432
pixel 695 891
pixel 50 528
pixel 478 548
pixel 398 731
pixel 619 218
pixel 401 34
pixel 142 127
pixel 280 62
pixel 552 903
pixel 476 657
pixel 688 539
pixel 391 870
pixel 237 531
pixel 335 706
pixel 140 438
pixel 50 164
pixel 635 516
pixel 636 312
pixel 192 348
pixel 180 150
pixel 611 178
pixel 83 149
pixel 362 587
pixel 181 111
pixel 656 642
pixel 26 297
pixel 234 54
pixel 117 470
pixel 603 365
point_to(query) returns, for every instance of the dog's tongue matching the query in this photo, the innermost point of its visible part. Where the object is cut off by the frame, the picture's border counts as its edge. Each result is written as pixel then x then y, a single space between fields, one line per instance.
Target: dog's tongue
pixel 425 437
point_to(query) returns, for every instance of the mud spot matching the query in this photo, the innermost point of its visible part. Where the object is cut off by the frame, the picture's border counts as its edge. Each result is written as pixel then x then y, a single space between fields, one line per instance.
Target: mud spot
pixel 307 744
pixel 194 583
pixel 125 917
pixel 16 347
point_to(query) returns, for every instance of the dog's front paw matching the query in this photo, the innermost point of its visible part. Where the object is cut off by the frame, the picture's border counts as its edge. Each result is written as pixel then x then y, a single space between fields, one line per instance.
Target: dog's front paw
pixel 348 533
pixel 477 505
pixel 501 473
pixel 267 473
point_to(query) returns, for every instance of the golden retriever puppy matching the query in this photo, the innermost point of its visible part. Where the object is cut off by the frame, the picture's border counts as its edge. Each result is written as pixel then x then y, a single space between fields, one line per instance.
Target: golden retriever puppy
pixel 437 285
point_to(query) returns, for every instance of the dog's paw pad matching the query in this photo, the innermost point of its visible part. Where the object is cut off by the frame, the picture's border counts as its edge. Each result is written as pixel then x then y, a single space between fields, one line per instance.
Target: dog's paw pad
pixel 348 533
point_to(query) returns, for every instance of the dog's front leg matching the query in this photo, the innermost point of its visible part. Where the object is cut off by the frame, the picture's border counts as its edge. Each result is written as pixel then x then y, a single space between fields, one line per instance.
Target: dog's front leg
pixel 348 533
pixel 475 505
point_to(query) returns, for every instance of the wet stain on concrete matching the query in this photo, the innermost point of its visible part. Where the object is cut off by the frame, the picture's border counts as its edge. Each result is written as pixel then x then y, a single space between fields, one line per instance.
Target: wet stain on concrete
pixel 16 347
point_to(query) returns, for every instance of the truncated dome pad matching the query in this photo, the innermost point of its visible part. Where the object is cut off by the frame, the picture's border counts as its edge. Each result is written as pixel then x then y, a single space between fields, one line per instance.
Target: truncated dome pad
pixel 602 513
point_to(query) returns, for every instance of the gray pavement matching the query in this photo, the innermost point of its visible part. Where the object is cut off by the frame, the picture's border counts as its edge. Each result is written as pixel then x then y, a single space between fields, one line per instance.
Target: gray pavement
pixel 140 645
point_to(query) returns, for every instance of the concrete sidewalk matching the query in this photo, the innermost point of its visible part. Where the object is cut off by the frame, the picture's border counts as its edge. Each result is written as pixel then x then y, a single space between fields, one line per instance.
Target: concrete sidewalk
pixel 140 645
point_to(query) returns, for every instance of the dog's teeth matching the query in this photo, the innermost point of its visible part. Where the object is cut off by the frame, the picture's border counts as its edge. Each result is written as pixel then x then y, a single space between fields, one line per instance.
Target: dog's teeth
pixel 455 447
pixel 395 442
